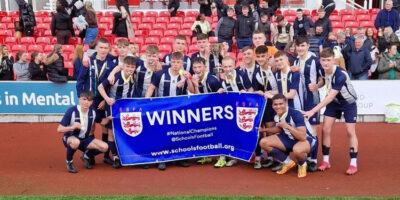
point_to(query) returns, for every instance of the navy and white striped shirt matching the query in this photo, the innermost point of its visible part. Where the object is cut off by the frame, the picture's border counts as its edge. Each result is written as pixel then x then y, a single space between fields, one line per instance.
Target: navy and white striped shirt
pixel 211 62
pixel 240 82
pixel 143 79
pixel 209 84
pixel 187 63
pixel 166 84
pixel 74 115
pixel 340 81
pixel 292 83
pixel 295 119
pixel 122 88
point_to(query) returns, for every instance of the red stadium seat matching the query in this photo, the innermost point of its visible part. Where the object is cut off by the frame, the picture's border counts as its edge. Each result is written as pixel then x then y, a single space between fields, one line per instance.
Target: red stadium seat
pixel 3 27
pixel 175 26
pixel 136 20
pixel 137 40
pixel 337 24
pixel 214 25
pixel 335 18
pixel 102 28
pixel 186 32
pixel 27 40
pixel 171 32
pixel 290 18
pixel 3 13
pixel 42 14
pixel 151 20
pixel 189 20
pixel 6 20
pixel 194 40
pixel 192 13
pixel 156 33
pixel 314 19
pixel 75 40
pixel 314 13
pixel 99 14
pixel 167 40
pixel 180 13
pixel 352 24
pixel 18 47
pixel 360 12
pixel 186 25
pixel 346 18
pixel 373 17
pixel 68 48
pixel 289 12
pixel 367 24
pixel 11 26
pixel 35 47
pixel 164 14
pixel 137 14
pixel 363 18
pixel 109 14
pixel 48 49
pixel 307 12
pixel 213 40
pixel 38 20
pixel 176 20
pixel 209 19
pixel 346 11
pixel 335 12
pixel 118 38
pixel 278 12
pixel 193 49
pixel 161 26
pixel 14 13
pixel 108 35
pixel 374 11
pixel 106 20
pixel 215 19
pixel 11 41
pixel 47 33
pixel 152 40
pixel 47 20
pixel 141 33
pixel 151 14
pixel 164 20
pixel 165 48
pixel 42 41
pixel 145 26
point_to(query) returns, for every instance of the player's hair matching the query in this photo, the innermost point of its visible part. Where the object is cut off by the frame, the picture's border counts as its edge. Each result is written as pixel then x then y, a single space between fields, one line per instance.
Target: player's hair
pixel 102 40
pixel 301 40
pixel 199 60
pixel 18 55
pixel 88 94
pixel 123 42
pixel 152 49
pixel 326 53
pixel 202 36
pixel 34 55
pixel 299 10
pixel 92 44
pixel 177 56
pixel 228 58
pixel 258 32
pixel 261 49
pixel 278 96
pixel 279 54
pixel 320 10
pixel 130 60
pixel 246 48
pixel 180 37
pixel 280 18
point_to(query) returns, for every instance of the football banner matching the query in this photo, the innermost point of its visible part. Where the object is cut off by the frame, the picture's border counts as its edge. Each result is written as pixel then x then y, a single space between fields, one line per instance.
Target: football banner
pixel 174 128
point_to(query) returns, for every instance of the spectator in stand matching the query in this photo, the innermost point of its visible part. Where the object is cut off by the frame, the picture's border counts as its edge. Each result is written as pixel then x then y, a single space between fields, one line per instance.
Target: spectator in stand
pixel 201 25
pixel 173 6
pixel 302 24
pixel 225 28
pixel 61 25
pixel 91 19
pixel 349 35
pixel 6 64
pixel 254 13
pixel 260 39
pixel 264 8
pixel 205 7
pixel 21 66
pixel 26 17
pixel 328 5
pixel 36 68
pixel 389 64
pixel 77 59
pixel 396 5
pixel 283 33
pixel 221 8
pixel 244 28
pixel 122 20
pixel 290 51
pixel 330 42
pixel 388 17
pixel 324 22
pixel 92 49
pixel 266 26
pixel 360 61
pixel 55 66
pixel 339 58
pixel 134 50
pixel 387 38
pixel 315 42
pixel 361 34
pixel 376 56
pixel 369 33
pixel 274 4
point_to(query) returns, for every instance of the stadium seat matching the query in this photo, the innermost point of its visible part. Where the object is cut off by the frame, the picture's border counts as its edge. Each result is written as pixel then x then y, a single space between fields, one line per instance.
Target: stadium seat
pixel 165 48
pixel 335 12
pixel 215 19
pixel 102 28
pixel 160 26
pixel 42 41
pixel 192 13
pixel 152 40
pixel 189 20
pixel 18 47
pixel 352 24
pixel 180 13
pixel 136 20
pixel 213 40
pixel 337 24
pixel 174 26
pixel 70 57
pixel 109 14
pixel 186 25
pixel 186 32
pixel 374 11
pixel 209 19
pixel 214 25
pixel 360 12
pixel 11 26
pixel 11 41
pixel 42 14
pixel 151 20
pixel 156 33
pixel 3 26
pixel 176 20
pixel 194 40
pixel 38 20
pixel 137 40
pixel 35 47
pixel 314 19
pixel 373 17
pixel 106 20
pixel 47 20
pixel 278 12
pixel 314 13
pixel 346 11
pixel 48 49
pixel 99 14
pixel 6 20
pixel 290 18
pixel 151 14
pixel 367 24
pixel 335 18
pixel 170 32
pixel 3 13
pixel 145 26
pixel 108 35
pixel 27 40
pixel 75 40
pixel 363 18
pixel 164 14
pixel 193 49
pixel 289 12
pixel 14 13
pixel 47 33
pixel 346 18
pixel 137 14
pixel 164 20
pixel 306 12
pixel 141 33
pixel 68 48
pixel 167 40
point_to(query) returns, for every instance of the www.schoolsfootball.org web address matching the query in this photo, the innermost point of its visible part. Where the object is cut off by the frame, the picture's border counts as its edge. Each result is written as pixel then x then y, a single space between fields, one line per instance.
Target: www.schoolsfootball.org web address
pixel 194 148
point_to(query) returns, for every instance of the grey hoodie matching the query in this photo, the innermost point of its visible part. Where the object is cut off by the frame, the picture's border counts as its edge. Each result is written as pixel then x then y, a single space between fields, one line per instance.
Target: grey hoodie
pixel 22 72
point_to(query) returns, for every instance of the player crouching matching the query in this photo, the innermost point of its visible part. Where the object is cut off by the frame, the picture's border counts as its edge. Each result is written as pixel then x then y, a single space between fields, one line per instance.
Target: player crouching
pixel 295 134
pixel 77 125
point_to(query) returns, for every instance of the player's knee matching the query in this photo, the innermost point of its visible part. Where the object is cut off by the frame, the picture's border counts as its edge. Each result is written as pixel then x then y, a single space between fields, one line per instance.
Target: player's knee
pixel 297 151
pixel 326 130
pixel 103 147
pixel 74 144
pixel 264 143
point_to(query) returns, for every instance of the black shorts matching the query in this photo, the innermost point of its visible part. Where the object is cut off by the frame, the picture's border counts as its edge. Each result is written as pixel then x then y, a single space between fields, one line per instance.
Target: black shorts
pixel 84 143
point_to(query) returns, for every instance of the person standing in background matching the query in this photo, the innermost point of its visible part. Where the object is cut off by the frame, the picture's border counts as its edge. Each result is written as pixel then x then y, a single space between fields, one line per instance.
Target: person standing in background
pixel 26 17
pixel 61 25
pixel 6 64
pixel 91 19
pixel 173 6
pixel 205 7
pixel 122 20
